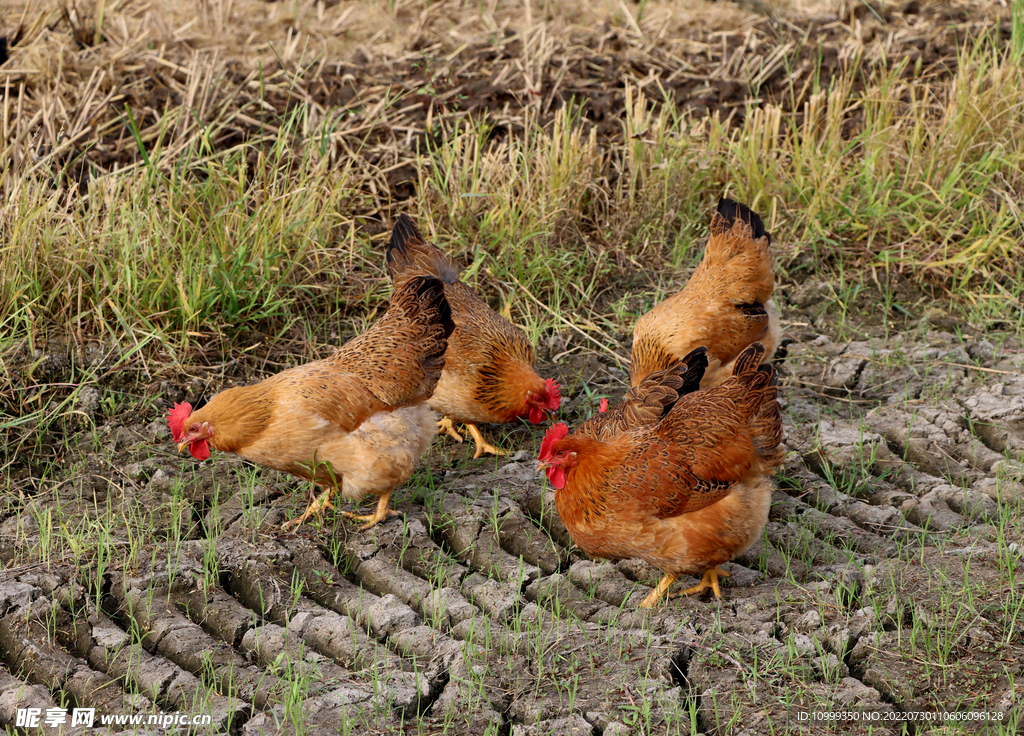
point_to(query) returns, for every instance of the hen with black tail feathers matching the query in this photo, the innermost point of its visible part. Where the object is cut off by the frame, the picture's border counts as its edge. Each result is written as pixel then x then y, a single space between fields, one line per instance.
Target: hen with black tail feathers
pixel 488 375
pixel 725 306
pixel 355 423
pixel 686 493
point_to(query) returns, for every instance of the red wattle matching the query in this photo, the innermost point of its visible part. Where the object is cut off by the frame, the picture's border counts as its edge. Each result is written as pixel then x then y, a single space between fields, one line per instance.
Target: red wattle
pixel 556 476
pixel 200 449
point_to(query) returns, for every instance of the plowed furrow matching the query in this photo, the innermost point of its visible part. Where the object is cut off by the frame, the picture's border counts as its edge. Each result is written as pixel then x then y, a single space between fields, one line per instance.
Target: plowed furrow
pixel 17 694
pixel 884 521
pixel 465 527
pixel 165 631
pixel 836 531
pixel 111 649
pixel 29 654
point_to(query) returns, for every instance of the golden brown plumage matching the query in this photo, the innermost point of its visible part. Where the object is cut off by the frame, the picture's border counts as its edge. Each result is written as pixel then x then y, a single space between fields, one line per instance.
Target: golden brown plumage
pixel 488 375
pixel 359 415
pixel 725 306
pixel 685 494
pixel 648 401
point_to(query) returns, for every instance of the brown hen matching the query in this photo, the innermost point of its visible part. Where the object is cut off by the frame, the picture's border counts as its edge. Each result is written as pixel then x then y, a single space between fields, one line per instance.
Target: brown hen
pixel 725 306
pixel 355 422
pixel 488 375
pixel 685 494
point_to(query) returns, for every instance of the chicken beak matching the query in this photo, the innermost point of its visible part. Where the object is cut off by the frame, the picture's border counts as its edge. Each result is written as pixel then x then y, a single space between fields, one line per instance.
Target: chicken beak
pixel 541 465
pixel 182 446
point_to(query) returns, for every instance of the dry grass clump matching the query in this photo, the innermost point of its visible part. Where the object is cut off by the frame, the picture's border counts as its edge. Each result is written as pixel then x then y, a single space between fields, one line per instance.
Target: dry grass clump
pixel 225 73
pixel 206 170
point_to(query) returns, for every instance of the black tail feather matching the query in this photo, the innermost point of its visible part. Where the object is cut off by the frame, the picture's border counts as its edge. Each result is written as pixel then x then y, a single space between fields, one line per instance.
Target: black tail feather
pixel 749 359
pixel 731 210
pixel 431 300
pixel 408 253
pixel 404 231
pixel 696 362
pixel 430 295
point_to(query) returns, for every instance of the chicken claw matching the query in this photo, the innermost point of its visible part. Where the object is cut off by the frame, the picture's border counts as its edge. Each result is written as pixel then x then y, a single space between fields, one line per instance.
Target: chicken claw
pixel 482 445
pixel 710 580
pixel 381 514
pixel 659 591
pixel 445 426
pixel 319 505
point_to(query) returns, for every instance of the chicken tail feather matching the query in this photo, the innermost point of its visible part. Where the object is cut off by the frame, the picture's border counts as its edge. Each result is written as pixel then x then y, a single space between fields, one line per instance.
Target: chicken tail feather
pixel 695 362
pixel 738 232
pixel 649 400
pixel 765 417
pixel 432 305
pixel 749 360
pixel 730 211
pixel 409 255
pixel 667 386
pixel 401 357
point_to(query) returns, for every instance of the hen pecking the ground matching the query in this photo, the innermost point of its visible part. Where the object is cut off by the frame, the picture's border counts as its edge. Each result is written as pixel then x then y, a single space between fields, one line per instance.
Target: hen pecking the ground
pixel 488 374
pixel 356 422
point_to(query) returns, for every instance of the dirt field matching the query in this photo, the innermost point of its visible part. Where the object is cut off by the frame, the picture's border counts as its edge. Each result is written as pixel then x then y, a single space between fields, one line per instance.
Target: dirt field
pixel 885 580
pixel 136 581
pixel 350 68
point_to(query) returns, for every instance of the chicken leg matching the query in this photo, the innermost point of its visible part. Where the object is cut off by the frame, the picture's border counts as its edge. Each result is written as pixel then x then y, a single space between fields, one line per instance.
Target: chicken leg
pixel 446 426
pixel 381 513
pixel 482 445
pixel 710 580
pixel 320 504
pixel 659 591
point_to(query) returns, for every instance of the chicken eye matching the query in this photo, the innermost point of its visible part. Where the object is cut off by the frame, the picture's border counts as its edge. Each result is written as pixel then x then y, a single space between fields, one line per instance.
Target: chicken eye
pixel 561 453
pixel 194 428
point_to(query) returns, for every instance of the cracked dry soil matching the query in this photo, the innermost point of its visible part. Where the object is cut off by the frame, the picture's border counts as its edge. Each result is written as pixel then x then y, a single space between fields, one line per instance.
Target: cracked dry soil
pixel 884 580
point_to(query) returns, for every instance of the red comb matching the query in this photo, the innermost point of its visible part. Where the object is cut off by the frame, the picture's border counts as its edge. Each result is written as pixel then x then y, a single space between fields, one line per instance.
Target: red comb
pixel 555 432
pixel 602 407
pixel 554 393
pixel 176 418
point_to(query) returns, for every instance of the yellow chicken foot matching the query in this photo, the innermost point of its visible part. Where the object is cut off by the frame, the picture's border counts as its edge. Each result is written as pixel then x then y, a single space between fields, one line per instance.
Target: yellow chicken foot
pixel 659 591
pixel 482 445
pixel 319 505
pixel 381 514
pixel 445 426
pixel 710 580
